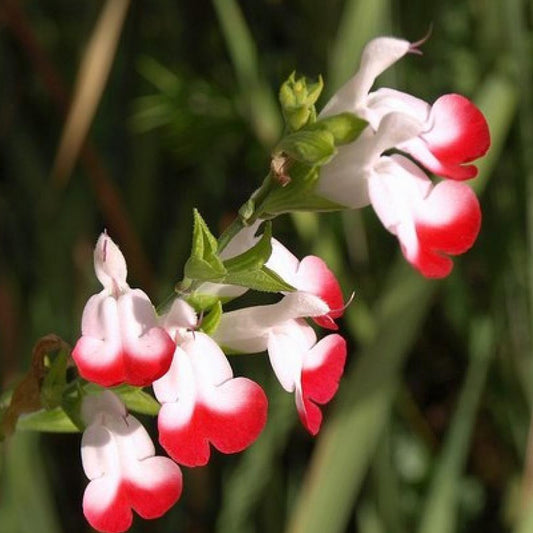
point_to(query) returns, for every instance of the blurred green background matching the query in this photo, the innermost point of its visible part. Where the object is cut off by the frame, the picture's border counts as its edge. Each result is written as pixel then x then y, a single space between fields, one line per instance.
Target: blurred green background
pixel 431 429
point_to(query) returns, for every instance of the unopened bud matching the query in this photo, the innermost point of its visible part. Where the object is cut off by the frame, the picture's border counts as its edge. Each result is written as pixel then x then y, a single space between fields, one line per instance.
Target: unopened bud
pixel 298 98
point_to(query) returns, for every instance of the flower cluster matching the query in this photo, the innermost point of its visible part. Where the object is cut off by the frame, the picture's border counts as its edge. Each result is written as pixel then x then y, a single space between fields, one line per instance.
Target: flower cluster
pixel 339 158
pixel 430 221
pixel 202 404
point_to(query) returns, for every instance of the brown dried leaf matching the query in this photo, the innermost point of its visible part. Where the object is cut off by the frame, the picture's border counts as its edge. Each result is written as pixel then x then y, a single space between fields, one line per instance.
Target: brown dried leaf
pixel 27 394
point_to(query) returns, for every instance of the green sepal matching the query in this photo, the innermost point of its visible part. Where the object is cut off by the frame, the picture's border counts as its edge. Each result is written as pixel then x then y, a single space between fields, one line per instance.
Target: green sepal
pixel 255 257
pixel 211 320
pixel 264 279
pixel 203 263
pixel 200 301
pixel 53 420
pixel 55 381
pixel 345 127
pixel 315 147
pixel 298 194
pixel 137 400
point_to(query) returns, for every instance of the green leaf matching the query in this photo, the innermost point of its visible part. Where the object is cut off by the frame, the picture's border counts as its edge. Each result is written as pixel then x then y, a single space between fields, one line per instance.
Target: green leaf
pixel 345 127
pixel 55 381
pixel 136 399
pixel 264 280
pixel 54 421
pixel 255 257
pixel 204 263
pixel 315 147
pixel 211 321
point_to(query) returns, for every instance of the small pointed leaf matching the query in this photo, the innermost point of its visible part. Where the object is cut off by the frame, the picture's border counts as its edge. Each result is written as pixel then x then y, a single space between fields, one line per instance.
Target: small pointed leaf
pixel 264 280
pixel 54 421
pixel 255 257
pixel 136 399
pixel 204 263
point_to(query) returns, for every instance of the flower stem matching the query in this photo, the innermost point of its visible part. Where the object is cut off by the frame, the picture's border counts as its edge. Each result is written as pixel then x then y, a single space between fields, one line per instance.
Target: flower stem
pixel 249 212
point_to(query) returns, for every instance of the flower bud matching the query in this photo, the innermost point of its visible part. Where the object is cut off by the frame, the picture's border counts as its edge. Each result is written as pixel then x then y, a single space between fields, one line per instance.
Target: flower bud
pixel 298 98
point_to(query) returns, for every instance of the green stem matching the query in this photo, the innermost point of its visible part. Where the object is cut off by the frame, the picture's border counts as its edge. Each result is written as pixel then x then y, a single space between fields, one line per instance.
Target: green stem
pixel 230 232
pixel 249 212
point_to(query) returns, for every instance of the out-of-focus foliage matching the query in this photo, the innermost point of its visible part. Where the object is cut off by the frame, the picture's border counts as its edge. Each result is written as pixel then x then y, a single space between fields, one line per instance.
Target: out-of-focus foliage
pixel 430 431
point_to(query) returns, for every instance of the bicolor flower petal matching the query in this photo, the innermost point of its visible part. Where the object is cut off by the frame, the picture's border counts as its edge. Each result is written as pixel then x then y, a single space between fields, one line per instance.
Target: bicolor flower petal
pixel 121 341
pixel 119 459
pixel 454 131
pixel 312 275
pixel 310 369
pixel 203 404
pixel 431 222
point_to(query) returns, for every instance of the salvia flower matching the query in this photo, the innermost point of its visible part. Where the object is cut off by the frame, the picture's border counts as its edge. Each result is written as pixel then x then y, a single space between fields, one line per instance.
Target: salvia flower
pixel 119 459
pixel 202 403
pixel 121 341
pixel 309 369
pixel 431 222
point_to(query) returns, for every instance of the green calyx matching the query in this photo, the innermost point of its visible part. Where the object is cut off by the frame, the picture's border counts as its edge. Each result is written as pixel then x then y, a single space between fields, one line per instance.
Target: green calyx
pixel 296 163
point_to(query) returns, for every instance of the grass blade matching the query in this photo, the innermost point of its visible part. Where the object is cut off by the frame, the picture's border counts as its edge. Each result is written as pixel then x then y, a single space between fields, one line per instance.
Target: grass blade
pixel 260 103
pixel 360 22
pixel 26 505
pixel 440 509
pixel 92 78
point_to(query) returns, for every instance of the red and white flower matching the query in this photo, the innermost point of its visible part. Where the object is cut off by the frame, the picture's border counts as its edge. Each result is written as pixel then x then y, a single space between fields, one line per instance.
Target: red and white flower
pixel 308 368
pixel 202 403
pixel 431 222
pixel 119 459
pixel 121 341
